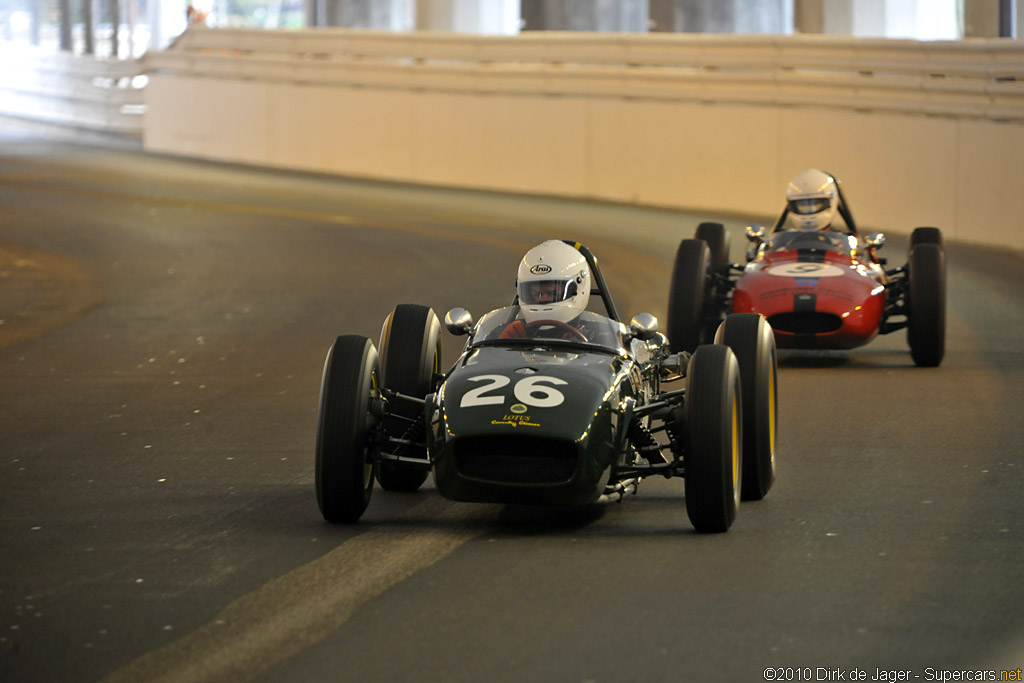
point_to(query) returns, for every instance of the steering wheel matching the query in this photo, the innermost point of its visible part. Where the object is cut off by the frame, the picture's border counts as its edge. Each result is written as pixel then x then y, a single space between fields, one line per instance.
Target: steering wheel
pixel 568 331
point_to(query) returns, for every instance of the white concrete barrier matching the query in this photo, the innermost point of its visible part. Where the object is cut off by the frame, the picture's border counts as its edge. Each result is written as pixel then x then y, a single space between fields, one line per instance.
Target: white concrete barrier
pixel 919 133
pixel 99 95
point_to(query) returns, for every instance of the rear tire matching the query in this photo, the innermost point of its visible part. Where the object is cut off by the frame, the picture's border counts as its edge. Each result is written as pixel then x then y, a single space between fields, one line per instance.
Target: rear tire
pixel 714 461
pixel 751 338
pixel 410 349
pixel 344 469
pixel 926 305
pixel 688 296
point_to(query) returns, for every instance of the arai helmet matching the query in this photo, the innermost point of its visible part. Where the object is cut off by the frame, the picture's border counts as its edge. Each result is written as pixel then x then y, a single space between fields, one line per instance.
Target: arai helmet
pixel 812 198
pixel 553 283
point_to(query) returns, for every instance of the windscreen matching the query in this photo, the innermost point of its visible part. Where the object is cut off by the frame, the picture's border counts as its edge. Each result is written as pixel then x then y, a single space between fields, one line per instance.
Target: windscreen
pixel 824 240
pixel 508 326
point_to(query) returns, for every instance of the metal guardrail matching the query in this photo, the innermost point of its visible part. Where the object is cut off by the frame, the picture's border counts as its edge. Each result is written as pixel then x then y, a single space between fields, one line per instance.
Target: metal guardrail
pixel 963 79
pixel 981 79
pixel 100 95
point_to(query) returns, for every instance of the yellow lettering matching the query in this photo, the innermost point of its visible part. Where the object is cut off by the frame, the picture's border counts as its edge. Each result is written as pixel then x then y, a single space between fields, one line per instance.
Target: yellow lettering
pixel 516 421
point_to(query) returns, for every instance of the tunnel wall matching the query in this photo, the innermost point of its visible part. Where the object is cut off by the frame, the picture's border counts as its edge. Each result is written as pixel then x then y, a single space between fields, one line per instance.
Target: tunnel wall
pixel 711 132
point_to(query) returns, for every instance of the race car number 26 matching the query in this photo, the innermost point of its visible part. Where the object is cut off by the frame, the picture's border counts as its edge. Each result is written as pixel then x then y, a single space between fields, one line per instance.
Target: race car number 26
pixel 533 391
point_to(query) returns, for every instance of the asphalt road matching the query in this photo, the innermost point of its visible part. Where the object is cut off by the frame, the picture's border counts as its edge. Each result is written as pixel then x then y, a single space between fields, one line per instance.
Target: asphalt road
pixel 163 326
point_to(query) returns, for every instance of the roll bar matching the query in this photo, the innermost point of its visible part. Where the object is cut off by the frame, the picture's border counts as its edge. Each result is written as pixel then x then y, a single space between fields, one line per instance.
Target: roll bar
pixel 598 279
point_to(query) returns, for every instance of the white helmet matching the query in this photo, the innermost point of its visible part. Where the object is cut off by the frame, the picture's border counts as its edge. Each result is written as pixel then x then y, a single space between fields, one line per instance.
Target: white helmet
pixel 553 283
pixel 812 197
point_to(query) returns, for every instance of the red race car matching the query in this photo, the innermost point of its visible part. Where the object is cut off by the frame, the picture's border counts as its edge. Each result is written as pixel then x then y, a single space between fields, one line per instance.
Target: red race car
pixel 820 286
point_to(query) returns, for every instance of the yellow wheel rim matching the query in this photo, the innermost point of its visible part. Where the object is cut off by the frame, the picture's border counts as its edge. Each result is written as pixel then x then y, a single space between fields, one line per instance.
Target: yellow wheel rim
pixel 771 412
pixel 735 446
pixel 367 463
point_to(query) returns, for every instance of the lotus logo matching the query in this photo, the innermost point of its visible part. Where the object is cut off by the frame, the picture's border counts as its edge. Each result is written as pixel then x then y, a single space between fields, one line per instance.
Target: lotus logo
pixel 540 269
pixel 518 408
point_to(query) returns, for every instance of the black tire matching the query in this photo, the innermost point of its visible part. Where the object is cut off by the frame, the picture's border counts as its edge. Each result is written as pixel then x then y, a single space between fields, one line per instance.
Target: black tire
pixel 925 236
pixel 717 238
pixel 688 296
pixel 410 350
pixel 926 305
pixel 751 338
pixel 344 469
pixel 714 460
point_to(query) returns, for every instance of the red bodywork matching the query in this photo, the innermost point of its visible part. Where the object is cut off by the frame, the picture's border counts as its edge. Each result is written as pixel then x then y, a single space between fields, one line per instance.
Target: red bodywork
pixel 815 290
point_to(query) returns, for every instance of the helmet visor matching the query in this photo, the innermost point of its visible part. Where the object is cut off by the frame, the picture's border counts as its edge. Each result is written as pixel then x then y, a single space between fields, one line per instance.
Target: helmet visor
pixel 534 292
pixel 805 207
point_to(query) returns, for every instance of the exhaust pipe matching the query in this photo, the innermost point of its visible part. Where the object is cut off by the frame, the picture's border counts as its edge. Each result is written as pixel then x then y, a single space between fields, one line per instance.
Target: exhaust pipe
pixel 614 493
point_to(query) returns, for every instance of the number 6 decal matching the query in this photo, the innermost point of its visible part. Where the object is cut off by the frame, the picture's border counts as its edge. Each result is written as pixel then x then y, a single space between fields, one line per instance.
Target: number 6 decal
pixel 533 391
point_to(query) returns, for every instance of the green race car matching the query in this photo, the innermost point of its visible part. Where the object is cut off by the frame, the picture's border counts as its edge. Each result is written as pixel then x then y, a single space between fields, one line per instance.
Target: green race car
pixel 542 411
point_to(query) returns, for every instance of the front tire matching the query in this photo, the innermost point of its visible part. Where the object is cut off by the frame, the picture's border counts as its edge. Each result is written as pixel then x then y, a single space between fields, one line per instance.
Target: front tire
pixel 688 296
pixel 713 464
pixel 925 236
pixel 751 338
pixel 410 349
pixel 926 305
pixel 344 469
pixel 717 238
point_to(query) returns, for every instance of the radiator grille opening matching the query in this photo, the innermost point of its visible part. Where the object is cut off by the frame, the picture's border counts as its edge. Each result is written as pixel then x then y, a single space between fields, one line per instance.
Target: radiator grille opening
pixel 515 459
pixel 805 323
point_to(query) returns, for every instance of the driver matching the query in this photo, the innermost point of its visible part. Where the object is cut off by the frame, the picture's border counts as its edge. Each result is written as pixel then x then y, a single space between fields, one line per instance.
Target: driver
pixel 553 287
pixel 812 198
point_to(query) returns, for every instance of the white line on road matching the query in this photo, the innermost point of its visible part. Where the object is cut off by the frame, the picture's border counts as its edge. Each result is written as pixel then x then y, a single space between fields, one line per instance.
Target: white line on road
pixel 300 608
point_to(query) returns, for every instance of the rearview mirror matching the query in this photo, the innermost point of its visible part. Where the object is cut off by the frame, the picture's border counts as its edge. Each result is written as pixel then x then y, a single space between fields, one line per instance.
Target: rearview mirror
pixel 458 321
pixel 643 326
pixel 874 240
pixel 755 232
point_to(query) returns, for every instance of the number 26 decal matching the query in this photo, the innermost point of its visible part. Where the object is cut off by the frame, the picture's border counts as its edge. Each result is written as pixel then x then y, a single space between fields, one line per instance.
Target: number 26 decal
pixel 533 391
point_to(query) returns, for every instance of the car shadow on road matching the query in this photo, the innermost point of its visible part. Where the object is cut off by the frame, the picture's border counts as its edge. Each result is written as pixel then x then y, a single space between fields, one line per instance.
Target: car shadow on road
pixel 879 359
pixel 651 513
pixel 524 520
